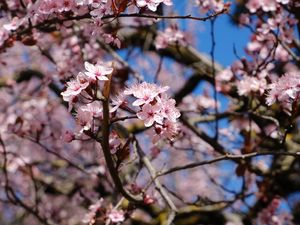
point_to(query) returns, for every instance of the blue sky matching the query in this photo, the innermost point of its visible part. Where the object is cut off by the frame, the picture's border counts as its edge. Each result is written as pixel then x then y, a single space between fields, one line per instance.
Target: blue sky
pixel 226 34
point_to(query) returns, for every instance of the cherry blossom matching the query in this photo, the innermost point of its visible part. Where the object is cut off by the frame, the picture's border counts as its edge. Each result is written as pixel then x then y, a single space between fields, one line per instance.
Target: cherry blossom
pixel 100 9
pixel 114 142
pixel 89 218
pixel 118 101
pixel 116 216
pixel 251 84
pixel 168 130
pixel 152 4
pixel 98 71
pixel 168 109
pixel 95 108
pixel 285 90
pixel 68 136
pixel 156 108
pixel 150 114
pixel 14 24
pixel 110 39
pixel 171 35
pixel 206 5
pixel 75 87
pixel 144 92
pixel 84 119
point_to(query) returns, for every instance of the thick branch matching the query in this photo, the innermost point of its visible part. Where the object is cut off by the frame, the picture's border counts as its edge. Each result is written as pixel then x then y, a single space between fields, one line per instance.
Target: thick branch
pixel 107 155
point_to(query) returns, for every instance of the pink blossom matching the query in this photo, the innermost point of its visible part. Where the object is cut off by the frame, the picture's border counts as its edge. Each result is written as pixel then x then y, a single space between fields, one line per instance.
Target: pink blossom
pixel 75 87
pixel 98 71
pixel 148 200
pixel 152 4
pixel 87 113
pixel 166 131
pixel 100 10
pixel 251 84
pixel 66 5
pixel 253 5
pixel 95 108
pixel 223 79
pixel 145 92
pixel 68 136
pixel 110 39
pixel 90 216
pixel 168 109
pixel 281 54
pixel 150 114
pixel 268 5
pixel 156 106
pixel 118 101
pixel 83 2
pixel 84 119
pixel 114 142
pixel 48 6
pixel 171 35
pixel 14 24
pixel 206 5
pixel 285 89
pixel 116 216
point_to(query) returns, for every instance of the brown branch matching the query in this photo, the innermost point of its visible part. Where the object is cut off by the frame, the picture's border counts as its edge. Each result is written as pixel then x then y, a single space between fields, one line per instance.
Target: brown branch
pixel 122 118
pixel 106 149
pixel 226 157
pixel 153 16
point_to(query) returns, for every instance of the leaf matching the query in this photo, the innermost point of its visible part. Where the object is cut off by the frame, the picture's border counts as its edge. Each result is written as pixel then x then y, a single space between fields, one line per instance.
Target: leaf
pixel 119 6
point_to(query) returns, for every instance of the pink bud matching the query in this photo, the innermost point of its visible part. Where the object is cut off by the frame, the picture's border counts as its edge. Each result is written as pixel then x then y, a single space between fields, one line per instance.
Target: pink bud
pixel 148 200
pixel 68 136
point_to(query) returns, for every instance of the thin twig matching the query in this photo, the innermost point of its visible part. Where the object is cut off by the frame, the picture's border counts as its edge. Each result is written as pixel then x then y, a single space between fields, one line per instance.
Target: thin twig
pixel 212 53
pixel 226 157
pixel 157 183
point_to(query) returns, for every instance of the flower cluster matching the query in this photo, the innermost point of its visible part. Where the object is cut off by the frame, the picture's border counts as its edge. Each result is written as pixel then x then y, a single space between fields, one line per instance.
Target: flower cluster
pixel 285 90
pixel 264 40
pixel 93 73
pixel 156 109
pixel 172 35
pixel 250 85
